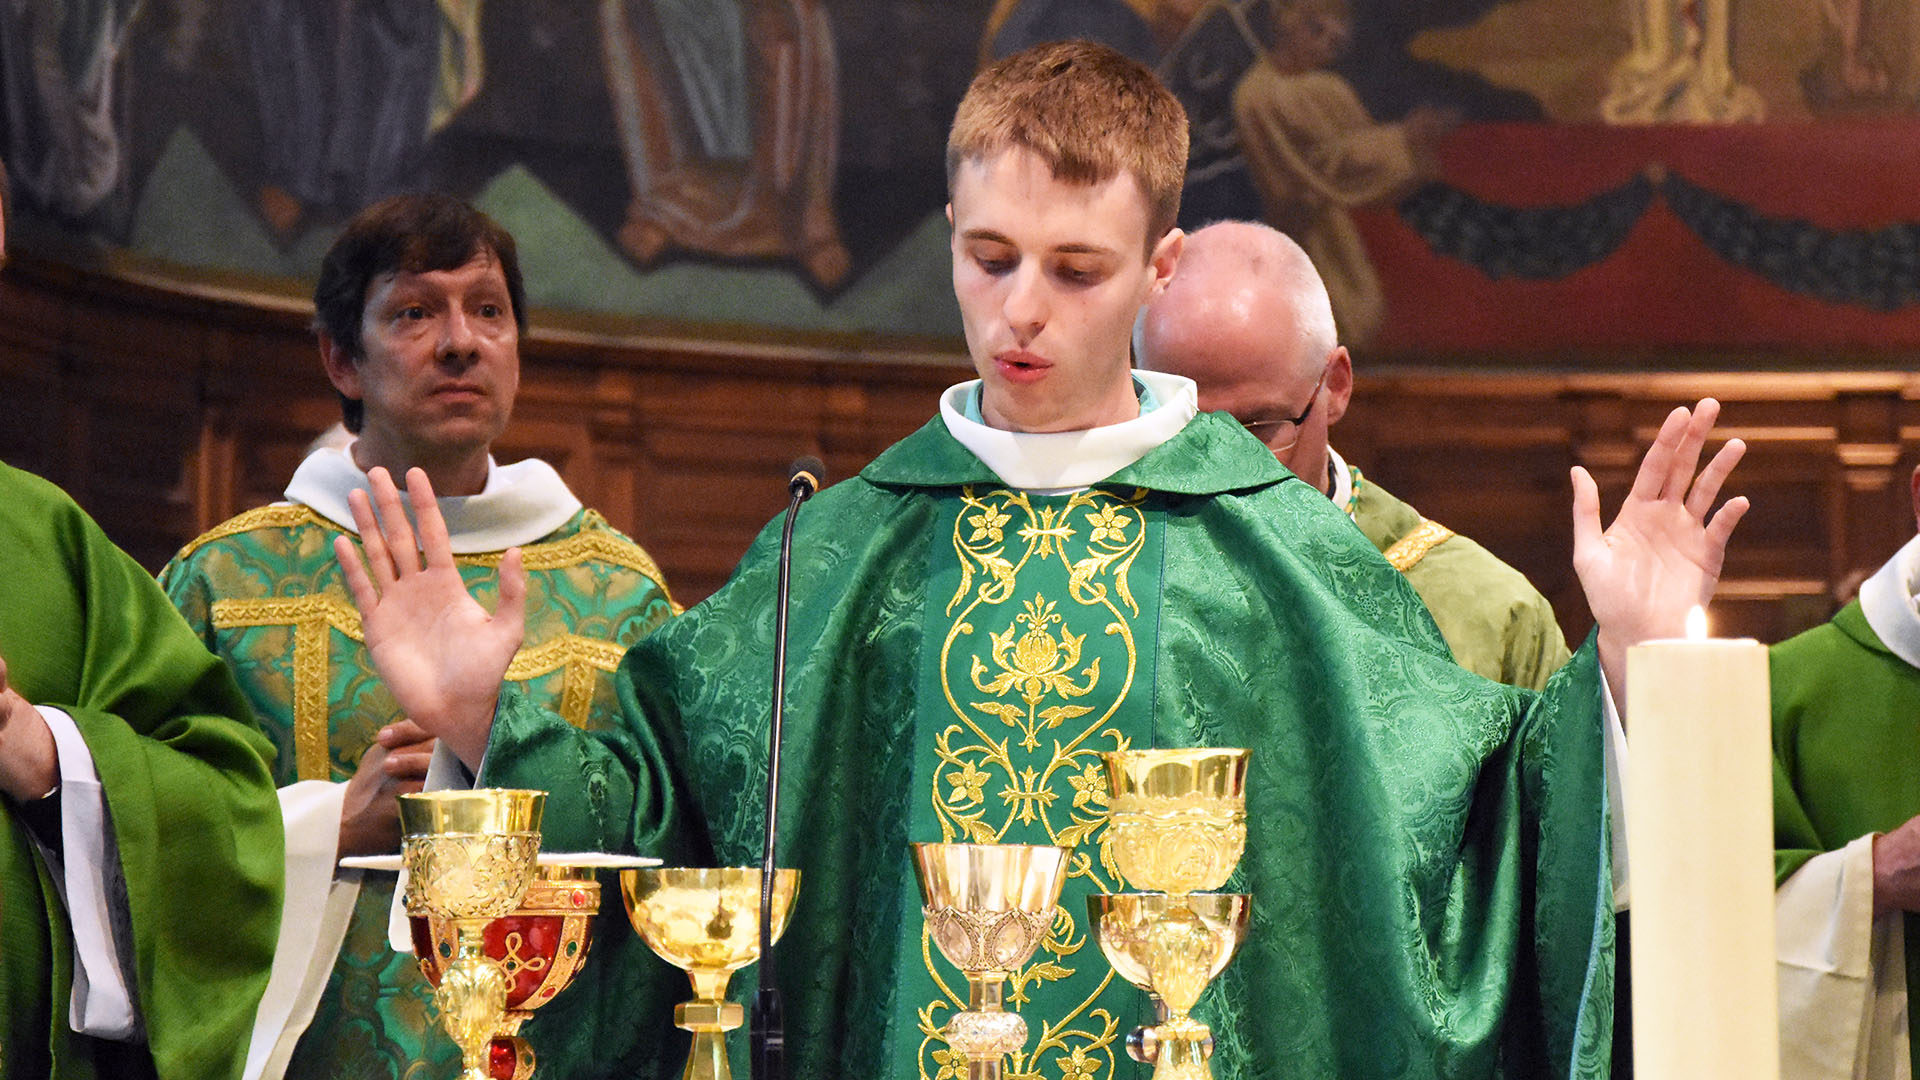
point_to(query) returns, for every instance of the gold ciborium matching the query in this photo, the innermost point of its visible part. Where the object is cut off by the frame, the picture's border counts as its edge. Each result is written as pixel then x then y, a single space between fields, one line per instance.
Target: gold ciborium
pixel 1177 825
pixel 540 947
pixel 988 907
pixel 705 922
pixel 469 857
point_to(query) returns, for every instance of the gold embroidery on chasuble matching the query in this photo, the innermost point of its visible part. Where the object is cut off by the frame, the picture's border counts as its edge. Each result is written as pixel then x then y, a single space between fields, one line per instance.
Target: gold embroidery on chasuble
pixel 583 662
pixel 1406 552
pixel 595 542
pixel 1038 655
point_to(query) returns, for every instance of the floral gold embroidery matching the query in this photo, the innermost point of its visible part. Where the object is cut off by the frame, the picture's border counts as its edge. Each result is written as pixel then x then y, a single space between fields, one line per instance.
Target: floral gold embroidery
pixel 1049 675
pixel 1037 665
pixel 987 525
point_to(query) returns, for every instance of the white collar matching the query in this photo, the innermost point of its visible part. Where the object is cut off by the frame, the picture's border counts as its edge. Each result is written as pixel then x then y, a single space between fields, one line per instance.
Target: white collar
pixel 1887 600
pixel 1342 477
pixel 521 502
pixel 1062 461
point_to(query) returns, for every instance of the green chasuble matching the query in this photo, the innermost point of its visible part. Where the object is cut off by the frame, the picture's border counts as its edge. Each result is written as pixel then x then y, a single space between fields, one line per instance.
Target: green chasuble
pixel 1427 850
pixel 185 774
pixel 264 591
pixel 1494 620
pixel 1846 749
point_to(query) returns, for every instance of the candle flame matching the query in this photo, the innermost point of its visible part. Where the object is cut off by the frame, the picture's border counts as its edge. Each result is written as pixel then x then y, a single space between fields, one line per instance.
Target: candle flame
pixel 1697 624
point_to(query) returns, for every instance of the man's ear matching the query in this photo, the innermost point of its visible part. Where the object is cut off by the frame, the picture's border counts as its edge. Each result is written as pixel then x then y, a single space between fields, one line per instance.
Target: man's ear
pixel 1339 388
pixel 1165 259
pixel 343 369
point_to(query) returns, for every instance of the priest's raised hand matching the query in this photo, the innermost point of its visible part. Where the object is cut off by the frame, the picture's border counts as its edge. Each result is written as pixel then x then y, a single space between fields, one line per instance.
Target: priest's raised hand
pixel 1663 552
pixel 441 655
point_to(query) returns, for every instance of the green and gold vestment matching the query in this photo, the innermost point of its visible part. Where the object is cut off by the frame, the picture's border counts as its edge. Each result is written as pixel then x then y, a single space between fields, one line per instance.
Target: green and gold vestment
pixel 265 593
pixel 185 774
pixel 1495 622
pixel 1428 851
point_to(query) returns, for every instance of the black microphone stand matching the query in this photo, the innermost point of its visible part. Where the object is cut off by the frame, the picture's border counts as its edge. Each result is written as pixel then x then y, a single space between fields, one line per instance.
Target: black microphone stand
pixel 767 1028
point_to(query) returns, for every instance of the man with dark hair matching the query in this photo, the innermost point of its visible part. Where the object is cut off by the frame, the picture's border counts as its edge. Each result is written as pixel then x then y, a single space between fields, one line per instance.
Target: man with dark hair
pixel 139 845
pixel 1070 559
pixel 429 232
pixel 419 313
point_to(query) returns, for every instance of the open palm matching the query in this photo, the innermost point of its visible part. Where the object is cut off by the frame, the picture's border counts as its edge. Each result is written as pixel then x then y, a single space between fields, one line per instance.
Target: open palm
pixel 1662 554
pixel 440 653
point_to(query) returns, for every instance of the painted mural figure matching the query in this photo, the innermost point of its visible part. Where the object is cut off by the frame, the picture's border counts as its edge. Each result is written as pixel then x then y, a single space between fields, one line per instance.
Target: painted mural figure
pixel 1314 151
pixel 728 114
pixel 1680 68
pixel 348 93
pixel 1868 58
pixel 60 90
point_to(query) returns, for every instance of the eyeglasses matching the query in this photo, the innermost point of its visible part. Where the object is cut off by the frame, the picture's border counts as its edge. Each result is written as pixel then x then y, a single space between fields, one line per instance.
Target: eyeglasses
pixel 1280 428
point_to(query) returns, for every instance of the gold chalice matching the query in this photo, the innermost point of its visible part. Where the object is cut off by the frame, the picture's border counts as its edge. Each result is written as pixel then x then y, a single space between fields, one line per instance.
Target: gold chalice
pixel 469 857
pixel 1171 947
pixel 1177 825
pixel 540 947
pixel 1178 818
pixel 707 923
pixel 988 907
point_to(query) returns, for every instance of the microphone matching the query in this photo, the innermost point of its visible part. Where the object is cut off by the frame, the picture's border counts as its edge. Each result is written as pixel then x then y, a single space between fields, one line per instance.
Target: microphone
pixel 803 476
pixel 768 1025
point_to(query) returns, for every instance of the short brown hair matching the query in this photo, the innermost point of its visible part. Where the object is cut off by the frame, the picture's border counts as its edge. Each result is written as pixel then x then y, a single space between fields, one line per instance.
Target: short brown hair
pixel 414 234
pixel 1089 112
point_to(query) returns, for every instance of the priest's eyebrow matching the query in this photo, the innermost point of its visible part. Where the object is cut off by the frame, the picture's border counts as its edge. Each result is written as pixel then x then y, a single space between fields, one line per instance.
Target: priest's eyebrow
pixel 992 237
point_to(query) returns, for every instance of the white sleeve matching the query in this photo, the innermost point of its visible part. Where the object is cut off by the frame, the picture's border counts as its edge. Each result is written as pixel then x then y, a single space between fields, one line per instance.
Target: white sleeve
pixel 313 922
pixel 445 772
pixel 1616 758
pixel 87 874
pixel 1843 973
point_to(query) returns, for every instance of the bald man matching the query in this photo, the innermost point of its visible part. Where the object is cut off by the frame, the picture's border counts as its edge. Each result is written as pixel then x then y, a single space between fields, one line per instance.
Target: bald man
pixel 1248 319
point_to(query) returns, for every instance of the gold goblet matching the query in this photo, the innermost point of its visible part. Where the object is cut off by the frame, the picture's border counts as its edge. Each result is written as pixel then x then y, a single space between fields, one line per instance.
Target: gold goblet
pixel 988 907
pixel 707 923
pixel 1177 825
pixel 540 947
pixel 469 857
pixel 1171 947
pixel 1178 819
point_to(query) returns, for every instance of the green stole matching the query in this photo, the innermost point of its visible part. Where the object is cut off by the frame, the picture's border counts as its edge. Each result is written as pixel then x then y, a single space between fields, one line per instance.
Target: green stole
pixel 1039 612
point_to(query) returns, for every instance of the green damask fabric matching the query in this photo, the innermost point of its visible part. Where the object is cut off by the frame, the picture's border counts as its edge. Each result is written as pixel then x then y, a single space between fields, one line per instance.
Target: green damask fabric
pixel 185 772
pixel 1427 850
pixel 265 593
pixel 1846 752
pixel 1497 624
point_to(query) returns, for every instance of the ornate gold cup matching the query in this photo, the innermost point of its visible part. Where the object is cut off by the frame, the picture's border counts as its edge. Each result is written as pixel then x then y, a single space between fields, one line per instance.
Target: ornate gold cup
pixel 1171 947
pixel 540 948
pixel 707 923
pixel 988 907
pixel 469 857
pixel 1178 819
pixel 1177 825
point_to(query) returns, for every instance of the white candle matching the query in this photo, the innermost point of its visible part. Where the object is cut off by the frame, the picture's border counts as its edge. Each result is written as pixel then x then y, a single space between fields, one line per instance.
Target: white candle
pixel 1700 843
